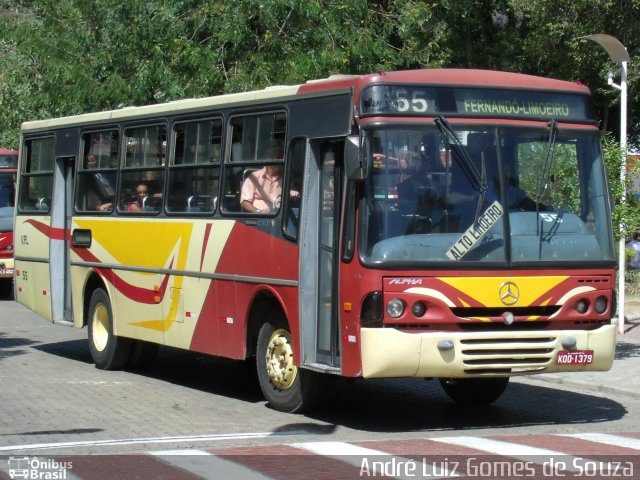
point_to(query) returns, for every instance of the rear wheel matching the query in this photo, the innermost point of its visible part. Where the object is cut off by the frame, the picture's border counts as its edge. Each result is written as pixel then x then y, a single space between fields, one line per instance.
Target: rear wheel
pixel 474 391
pixel 285 386
pixel 108 351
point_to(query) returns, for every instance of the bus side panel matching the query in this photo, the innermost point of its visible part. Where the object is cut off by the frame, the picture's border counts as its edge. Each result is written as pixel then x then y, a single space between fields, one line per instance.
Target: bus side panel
pixel 233 313
pixel 250 261
pixel 138 309
pixel 189 299
pixel 190 307
pixel 33 284
pixel 140 256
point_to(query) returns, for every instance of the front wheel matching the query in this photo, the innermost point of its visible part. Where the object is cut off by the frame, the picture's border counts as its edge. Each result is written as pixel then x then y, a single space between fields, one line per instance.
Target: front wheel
pixel 108 351
pixel 474 391
pixel 285 386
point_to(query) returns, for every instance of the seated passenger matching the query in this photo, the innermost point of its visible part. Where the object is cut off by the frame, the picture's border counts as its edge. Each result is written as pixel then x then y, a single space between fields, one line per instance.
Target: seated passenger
pixel 142 192
pixel 262 190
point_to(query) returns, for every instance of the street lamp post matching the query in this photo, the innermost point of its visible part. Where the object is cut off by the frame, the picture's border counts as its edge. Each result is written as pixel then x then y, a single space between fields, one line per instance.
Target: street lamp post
pixel 618 53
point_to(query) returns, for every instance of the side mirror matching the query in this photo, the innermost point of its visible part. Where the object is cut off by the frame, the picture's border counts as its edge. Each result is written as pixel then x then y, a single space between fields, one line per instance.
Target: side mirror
pixel 354 160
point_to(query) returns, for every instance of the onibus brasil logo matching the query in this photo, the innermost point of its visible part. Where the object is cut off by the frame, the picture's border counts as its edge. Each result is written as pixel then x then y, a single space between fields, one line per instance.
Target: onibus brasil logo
pixel 38 469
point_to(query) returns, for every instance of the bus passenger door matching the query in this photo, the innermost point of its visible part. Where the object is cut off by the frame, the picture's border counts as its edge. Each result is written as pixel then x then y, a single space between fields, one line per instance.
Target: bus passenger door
pixel 319 254
pixel 59 266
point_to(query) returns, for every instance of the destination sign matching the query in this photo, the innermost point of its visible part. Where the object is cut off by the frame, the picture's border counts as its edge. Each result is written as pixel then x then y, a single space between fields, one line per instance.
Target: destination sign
pixel 475 102
pixel 8 161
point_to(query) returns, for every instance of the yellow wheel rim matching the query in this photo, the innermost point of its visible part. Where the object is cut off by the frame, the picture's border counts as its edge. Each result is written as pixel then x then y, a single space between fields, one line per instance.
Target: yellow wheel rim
pixel 100 327
pixel 279 360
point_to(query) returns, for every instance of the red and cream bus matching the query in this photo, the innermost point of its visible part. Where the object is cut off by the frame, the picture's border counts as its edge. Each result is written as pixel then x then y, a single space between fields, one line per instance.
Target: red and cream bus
pixel 448 224
pixel 8 166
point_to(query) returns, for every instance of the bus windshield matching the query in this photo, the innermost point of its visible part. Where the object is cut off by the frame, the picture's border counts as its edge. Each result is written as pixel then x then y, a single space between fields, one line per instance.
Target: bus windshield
pixel 505 195
pixel 7 196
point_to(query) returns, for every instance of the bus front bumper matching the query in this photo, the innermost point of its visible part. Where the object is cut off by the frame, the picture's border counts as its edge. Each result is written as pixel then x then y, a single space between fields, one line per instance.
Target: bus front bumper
pixel 6 267
pixel 387 352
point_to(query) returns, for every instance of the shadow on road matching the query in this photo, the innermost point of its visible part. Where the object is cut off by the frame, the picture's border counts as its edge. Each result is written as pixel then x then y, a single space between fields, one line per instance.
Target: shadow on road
pixel 627 350
pixel 401 405
pixel 379 405
pixel 11 346
pixel 77 350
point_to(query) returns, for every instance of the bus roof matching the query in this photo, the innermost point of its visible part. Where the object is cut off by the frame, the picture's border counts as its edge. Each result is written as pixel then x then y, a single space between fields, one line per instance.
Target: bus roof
pixel 7 151
pixel 330 85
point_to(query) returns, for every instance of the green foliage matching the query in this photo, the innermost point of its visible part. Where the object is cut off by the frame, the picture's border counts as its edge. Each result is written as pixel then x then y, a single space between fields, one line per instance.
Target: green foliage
pixel 63 57
pixel 627 214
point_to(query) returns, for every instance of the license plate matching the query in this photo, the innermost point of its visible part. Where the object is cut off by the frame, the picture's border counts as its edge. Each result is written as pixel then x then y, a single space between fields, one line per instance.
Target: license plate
pixel 575 357
pixel 6 271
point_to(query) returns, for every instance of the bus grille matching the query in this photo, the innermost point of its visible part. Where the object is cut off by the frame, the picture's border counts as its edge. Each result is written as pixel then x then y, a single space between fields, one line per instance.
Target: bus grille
pixel 483 356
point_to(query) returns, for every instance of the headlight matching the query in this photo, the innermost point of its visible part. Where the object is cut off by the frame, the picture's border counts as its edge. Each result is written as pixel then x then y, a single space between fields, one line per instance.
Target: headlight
pixel 395 308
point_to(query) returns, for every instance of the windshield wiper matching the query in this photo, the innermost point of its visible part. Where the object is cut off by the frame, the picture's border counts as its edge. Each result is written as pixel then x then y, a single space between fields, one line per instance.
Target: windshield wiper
pixel 478 178
pixel 543 184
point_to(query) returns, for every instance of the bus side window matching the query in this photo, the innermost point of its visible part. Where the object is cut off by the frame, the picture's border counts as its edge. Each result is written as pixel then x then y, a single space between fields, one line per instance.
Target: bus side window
pixel 195 167
pixel 143 171
pixel 257 143
pixel 37 176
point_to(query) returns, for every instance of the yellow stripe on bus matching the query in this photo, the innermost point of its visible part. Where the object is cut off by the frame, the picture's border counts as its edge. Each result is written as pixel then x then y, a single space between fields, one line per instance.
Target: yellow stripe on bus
pixel 486 290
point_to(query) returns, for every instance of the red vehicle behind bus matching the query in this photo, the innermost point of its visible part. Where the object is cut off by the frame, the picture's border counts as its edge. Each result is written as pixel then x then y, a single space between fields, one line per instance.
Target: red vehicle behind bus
pixel 448 224
pixel 8 166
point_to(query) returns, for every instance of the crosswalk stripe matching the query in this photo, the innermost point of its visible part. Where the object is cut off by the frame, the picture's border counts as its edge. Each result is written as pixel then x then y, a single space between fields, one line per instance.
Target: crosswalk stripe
pixel 542 456
pixel 615 440
pixel 337 449
pixel 186 452
pixel 498 447
pixel 207 465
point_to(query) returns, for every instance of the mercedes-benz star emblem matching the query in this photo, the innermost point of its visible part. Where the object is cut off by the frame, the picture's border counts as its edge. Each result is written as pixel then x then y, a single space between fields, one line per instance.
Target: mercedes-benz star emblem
pixel 509 293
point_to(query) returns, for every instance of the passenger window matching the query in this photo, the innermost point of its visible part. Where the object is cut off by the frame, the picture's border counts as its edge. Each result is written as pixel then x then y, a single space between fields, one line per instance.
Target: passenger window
pixel 195 170
pixel 37 176
pixel 146 146
pixel 142 176
pixel 96 189
pixel 253 178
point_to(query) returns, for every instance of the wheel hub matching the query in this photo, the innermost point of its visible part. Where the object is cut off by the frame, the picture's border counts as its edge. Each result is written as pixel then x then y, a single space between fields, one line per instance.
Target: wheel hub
pixel 100 325
pixel 279 360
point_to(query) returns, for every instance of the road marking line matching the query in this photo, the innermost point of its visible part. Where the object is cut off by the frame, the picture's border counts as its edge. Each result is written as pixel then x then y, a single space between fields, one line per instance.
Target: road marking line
pixel 606 438
pixel 151 440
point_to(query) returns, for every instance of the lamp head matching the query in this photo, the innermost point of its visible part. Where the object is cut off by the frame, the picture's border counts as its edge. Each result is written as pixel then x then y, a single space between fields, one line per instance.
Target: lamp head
pixel 610 77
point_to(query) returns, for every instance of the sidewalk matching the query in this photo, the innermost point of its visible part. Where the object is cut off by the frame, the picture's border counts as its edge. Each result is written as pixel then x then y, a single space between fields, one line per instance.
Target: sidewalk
pixel 624 377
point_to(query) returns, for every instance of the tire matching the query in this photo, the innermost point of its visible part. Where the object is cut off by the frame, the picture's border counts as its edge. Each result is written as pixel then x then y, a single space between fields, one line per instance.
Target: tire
pixel 6 289
pixel 143 354
pixel 108 351
pixel 286 387
pixel 474 391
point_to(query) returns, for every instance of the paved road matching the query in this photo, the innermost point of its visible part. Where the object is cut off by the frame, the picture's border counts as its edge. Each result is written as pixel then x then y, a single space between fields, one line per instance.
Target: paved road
pixel 585 455
pixel 55 402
